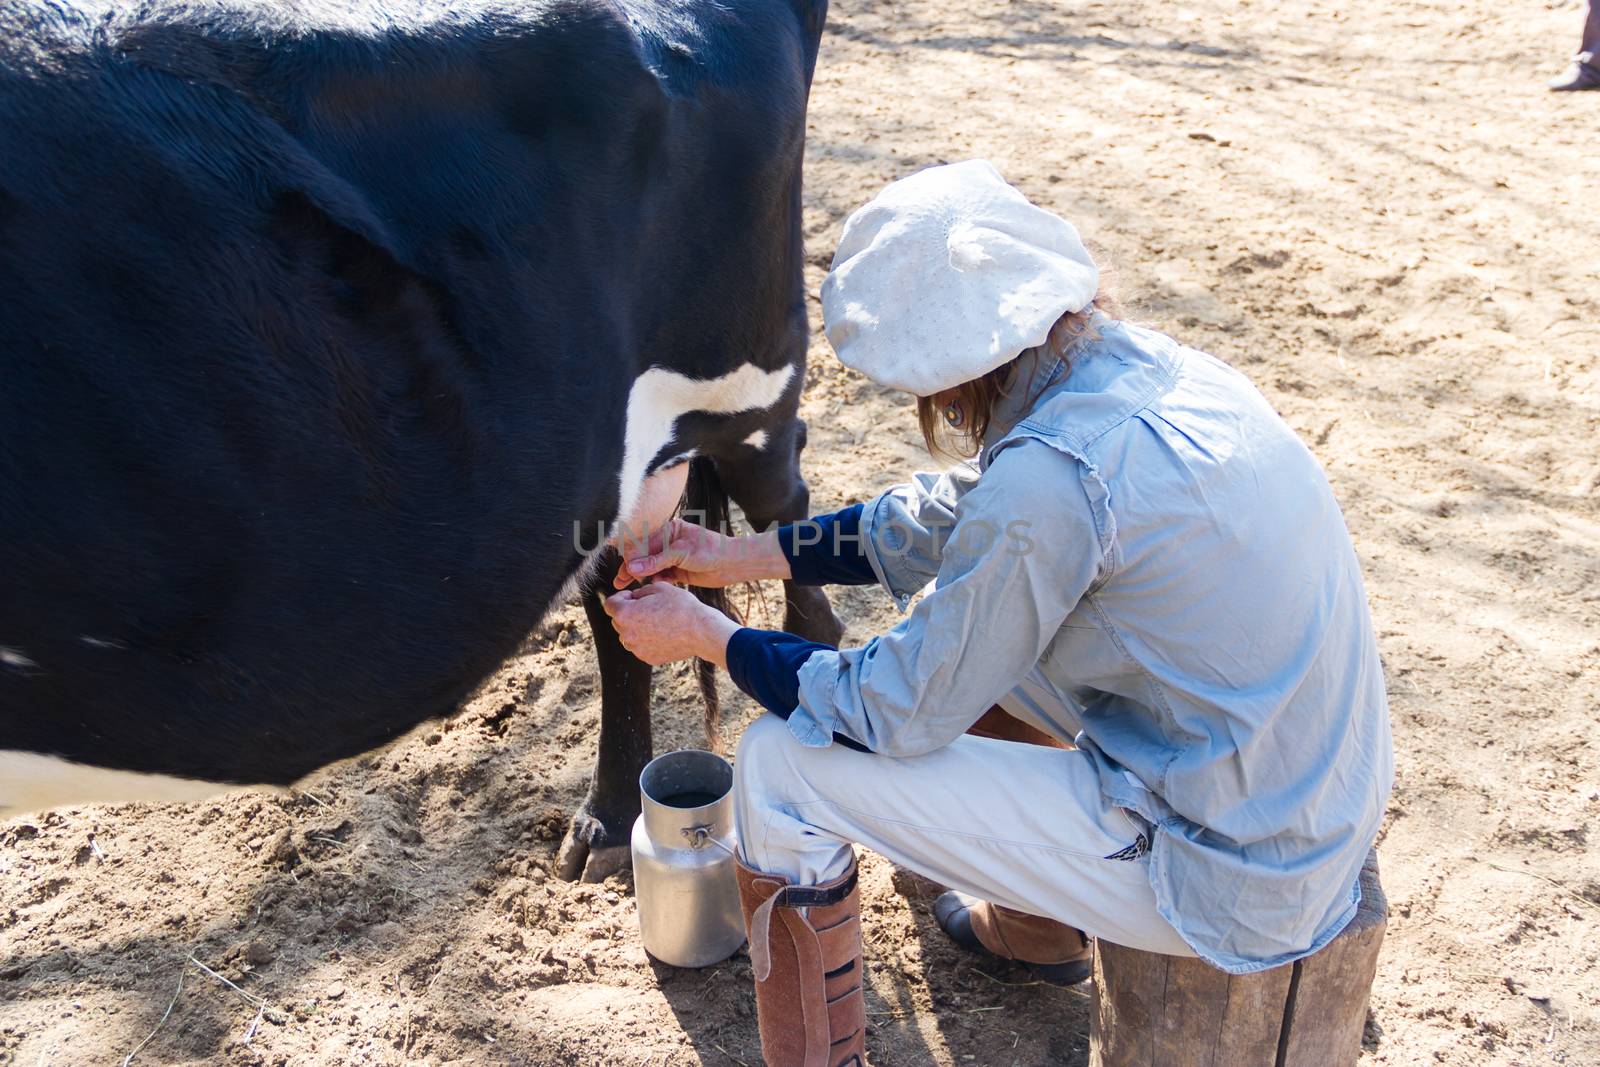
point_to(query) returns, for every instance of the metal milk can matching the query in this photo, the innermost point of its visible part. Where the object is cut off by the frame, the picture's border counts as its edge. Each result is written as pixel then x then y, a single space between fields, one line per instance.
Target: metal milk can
pixel 683 848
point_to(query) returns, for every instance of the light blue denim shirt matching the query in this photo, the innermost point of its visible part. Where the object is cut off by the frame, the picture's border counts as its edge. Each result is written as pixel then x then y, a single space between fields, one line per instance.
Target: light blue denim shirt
pixel 1146 541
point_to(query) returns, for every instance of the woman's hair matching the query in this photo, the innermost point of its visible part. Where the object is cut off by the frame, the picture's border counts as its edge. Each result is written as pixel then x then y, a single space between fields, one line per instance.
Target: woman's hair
pixel 979 397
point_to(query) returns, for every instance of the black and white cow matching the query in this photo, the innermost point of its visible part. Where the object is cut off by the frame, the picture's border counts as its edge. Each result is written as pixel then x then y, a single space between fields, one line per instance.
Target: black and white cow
pixel 323 327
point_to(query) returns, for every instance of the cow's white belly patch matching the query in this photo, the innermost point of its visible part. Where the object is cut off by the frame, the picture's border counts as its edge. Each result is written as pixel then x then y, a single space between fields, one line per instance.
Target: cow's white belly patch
pixel 659 397
pixel 31 782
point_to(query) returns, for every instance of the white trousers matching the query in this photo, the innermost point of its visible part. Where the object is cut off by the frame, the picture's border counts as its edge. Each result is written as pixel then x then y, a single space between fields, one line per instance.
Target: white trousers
pixel 1024 826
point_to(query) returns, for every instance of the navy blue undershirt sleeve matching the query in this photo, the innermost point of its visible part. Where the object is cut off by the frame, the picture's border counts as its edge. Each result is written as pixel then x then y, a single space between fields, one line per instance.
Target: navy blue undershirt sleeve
pixel 828 549
pixel 766 664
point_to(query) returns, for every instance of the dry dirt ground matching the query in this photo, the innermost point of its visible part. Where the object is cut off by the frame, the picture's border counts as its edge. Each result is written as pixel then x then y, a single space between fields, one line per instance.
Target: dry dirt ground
pixel 1374 210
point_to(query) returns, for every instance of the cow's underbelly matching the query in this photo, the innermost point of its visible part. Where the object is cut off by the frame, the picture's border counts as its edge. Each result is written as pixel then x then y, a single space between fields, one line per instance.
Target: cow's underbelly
pixel 330 656
pixel 33 782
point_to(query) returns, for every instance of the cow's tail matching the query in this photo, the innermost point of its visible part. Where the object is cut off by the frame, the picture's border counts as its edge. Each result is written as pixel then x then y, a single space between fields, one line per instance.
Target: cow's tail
pixel 706 502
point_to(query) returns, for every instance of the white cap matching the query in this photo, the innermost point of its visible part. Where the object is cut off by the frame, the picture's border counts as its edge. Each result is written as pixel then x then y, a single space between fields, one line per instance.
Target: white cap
pixel 947 274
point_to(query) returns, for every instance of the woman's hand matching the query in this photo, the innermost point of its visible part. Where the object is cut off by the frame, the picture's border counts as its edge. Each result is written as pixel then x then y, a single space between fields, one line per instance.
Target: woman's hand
pixel 685 554
pixel 661 623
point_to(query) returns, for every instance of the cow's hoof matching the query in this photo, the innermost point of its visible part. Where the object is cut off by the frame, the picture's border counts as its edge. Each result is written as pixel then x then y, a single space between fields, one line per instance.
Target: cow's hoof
pixel 604 862
pixel 586 855
pixel 582 862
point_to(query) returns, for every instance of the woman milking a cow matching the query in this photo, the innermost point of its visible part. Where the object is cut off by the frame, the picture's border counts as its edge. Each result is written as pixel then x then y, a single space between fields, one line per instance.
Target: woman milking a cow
pixel 1143 567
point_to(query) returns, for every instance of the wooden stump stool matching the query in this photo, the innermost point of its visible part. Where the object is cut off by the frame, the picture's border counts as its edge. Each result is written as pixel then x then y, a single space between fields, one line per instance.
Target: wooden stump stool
pixel 1171 1011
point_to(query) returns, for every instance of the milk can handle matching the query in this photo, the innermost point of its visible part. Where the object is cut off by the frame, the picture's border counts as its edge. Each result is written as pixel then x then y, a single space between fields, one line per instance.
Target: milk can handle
pixel 699 835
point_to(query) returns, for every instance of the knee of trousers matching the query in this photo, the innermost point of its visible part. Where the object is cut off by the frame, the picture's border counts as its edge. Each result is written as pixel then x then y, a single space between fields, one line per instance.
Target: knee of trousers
pixel 763 764
pixel 761 776
pixel 769 781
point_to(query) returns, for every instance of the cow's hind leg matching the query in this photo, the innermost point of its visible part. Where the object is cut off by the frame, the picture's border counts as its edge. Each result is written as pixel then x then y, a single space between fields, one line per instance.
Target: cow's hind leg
pixel 807 612
pixel 768 487
pixel 597 840
pixel 766 484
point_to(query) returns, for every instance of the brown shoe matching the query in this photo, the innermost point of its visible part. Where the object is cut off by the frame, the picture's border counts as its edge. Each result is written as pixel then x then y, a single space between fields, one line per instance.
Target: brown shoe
pixel 1057 953
pixel 805 948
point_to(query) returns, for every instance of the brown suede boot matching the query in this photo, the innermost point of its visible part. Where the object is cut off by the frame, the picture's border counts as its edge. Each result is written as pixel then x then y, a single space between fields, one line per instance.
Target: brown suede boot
pixel 1000 725
pixel 1058 953
pixel 805 949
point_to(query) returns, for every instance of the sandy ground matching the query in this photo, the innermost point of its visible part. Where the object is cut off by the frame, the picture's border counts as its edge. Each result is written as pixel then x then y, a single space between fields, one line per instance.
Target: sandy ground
pixel 1375 211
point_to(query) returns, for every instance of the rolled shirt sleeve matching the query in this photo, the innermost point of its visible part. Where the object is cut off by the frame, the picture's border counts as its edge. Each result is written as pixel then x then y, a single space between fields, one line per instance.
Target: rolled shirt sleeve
pixel 827 549
pixel 1020 551
pixel 766 665
pixel 904 529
